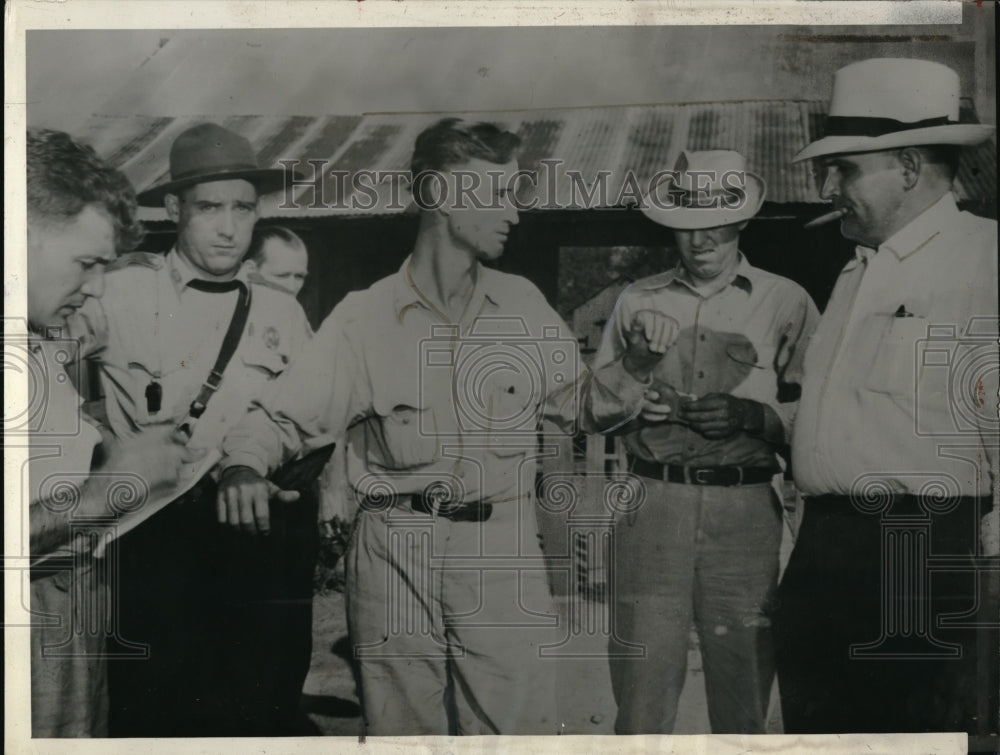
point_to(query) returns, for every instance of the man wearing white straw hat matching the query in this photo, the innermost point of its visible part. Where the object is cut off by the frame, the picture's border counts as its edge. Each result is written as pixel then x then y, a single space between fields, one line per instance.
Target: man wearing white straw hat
pixel 895 444
pixel 703 549
pixel 190 338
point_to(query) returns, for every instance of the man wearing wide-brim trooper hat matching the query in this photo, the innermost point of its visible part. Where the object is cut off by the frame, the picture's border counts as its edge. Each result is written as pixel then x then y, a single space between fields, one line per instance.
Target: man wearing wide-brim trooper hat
pixel 209 152
pixel 190 338
pixel 703 548
pixel 896 436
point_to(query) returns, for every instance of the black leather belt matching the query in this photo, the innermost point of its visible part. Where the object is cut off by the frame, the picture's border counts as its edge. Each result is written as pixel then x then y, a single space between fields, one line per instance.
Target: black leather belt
pixel 895 503
pixel 477 511
pixel 721 476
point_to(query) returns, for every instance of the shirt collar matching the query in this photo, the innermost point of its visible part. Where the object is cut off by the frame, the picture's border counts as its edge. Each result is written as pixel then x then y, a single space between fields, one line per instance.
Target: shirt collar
pixel 861 256
pixel 915 235
pixel 183 272
pixel 405 295
pixel 742 277
pixel 919 232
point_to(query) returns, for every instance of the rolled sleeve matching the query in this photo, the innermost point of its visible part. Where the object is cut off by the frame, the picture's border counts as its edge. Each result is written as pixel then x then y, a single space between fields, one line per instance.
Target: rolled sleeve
pixel 615 398
pixel 307 407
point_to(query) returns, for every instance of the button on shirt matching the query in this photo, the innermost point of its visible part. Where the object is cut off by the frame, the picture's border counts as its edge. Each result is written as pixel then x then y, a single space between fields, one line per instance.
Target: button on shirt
pixel 746 339
pixel 430 404
pixel 151 327
pixel 901 377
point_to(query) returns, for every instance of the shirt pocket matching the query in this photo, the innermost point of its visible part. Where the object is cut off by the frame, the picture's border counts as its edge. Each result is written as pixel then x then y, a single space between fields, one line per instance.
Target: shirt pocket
pixel 508 412
pixel 404 432
pixel 752 369
pixel 260 360
pixel 893 368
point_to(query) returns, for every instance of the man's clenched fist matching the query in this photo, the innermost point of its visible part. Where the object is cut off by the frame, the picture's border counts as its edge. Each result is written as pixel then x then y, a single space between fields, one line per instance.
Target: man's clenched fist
pixel 650 334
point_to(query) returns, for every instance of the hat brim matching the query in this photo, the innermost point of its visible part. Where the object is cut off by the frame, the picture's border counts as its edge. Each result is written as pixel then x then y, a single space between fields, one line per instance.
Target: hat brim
pixel 959 134
pixel 267 181
pixel 694 218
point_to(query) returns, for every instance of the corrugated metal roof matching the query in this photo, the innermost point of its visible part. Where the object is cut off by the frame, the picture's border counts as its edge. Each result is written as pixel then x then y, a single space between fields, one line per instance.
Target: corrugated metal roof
pixel 620 141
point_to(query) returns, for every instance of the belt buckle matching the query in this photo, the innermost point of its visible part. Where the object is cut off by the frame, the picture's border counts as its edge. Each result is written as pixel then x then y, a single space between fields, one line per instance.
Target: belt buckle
pixel 701 476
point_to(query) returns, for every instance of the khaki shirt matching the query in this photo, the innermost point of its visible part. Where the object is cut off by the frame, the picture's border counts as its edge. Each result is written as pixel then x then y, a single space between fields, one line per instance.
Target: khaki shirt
pixel 62 440
pixel 900 381
pixel 150 326
pixel 427 402
pixel 747 339
pixel 68 672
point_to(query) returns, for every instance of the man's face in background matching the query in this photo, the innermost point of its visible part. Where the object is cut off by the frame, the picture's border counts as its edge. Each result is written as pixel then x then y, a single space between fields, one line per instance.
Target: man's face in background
pixel 283 263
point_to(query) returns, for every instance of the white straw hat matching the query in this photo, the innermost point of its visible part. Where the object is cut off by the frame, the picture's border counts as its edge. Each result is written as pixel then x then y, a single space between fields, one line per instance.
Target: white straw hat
pixel 705 190
pixel 884 103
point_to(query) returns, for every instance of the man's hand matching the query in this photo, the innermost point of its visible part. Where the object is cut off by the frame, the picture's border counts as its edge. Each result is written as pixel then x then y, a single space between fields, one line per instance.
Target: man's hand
pixel 659 402
pixel 243 500
pixel 720 415
pixel 649 336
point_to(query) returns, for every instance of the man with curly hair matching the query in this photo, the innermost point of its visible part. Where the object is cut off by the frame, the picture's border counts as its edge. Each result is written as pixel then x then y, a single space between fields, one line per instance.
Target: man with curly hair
pixel 81 212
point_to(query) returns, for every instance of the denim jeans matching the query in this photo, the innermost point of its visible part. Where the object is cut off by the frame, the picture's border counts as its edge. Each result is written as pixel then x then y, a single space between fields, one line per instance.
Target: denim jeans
pixel 705 555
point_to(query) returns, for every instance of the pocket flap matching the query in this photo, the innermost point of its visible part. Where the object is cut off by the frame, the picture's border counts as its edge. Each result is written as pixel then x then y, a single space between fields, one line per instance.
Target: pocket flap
pixel 262 358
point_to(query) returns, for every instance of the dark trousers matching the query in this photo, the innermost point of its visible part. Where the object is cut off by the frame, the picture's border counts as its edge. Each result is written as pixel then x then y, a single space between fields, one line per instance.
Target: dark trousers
pixel 863 638
pixel 227 620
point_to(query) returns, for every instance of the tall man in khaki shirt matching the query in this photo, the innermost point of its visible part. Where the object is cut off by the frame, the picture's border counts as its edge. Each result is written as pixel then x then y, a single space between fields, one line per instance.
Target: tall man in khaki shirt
pixel 895 444
pixel 441 375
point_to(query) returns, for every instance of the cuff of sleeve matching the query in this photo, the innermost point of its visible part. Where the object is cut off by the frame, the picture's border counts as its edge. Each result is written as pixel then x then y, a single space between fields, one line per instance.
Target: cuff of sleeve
pixel 628 393
pixel 619 381
pixel 244 459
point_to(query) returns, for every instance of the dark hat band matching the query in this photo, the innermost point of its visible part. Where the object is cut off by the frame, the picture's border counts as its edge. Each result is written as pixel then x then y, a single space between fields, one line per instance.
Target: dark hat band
pixel 727 198
pixel 840 125
pixel 201 171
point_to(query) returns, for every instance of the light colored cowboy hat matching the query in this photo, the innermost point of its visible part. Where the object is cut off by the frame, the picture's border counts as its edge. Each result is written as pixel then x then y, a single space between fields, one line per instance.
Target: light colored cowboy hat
pixel 209 152
pixel 705 190
pixel 885 103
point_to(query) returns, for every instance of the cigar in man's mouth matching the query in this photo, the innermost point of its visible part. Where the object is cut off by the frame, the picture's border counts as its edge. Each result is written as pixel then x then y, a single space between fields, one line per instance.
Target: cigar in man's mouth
pixel 824 219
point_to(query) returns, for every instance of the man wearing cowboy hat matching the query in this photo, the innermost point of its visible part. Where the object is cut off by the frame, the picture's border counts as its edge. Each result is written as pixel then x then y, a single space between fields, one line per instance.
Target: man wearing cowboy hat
pixel 895 444
pixel 190 338
pixel 703 548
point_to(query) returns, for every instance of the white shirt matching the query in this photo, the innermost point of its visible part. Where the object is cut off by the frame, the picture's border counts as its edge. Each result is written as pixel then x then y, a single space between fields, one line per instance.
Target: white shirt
pixel 900 386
